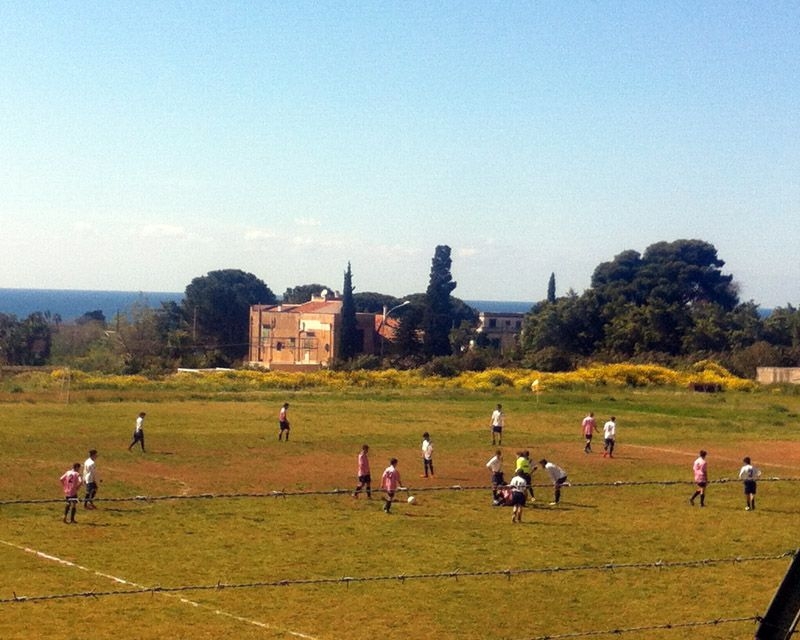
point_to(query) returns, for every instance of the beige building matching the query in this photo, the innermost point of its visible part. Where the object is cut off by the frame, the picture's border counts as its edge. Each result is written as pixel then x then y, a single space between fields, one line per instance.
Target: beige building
pixel 778 375
pixel 502 330
pixel 303 336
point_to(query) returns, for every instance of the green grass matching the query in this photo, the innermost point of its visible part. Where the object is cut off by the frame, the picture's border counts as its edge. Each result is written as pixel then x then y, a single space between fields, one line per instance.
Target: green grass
pixel 202 445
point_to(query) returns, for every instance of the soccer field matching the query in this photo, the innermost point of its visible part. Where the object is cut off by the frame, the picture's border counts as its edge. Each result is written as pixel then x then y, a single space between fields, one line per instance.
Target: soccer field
pixel 222 530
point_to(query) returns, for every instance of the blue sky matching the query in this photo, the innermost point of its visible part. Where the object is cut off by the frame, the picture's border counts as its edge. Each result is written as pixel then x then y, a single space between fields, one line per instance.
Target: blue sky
pixel 147 143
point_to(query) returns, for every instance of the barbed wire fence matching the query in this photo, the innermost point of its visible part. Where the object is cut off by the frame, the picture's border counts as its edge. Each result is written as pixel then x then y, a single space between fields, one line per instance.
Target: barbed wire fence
pixel 449 575
pixel 283 493
pixel 667 626
pixel 409 577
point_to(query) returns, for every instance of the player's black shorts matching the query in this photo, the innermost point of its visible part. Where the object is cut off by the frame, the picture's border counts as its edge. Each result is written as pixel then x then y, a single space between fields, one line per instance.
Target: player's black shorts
pixel 367 479
pixel 749 486
pixel 517 499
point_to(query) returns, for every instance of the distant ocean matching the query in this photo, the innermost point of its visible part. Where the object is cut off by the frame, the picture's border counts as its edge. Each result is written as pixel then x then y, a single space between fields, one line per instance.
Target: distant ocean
pixel 71 304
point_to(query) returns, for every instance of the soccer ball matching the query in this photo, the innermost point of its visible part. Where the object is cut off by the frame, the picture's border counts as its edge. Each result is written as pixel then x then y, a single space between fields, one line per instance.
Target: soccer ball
pixel 411 500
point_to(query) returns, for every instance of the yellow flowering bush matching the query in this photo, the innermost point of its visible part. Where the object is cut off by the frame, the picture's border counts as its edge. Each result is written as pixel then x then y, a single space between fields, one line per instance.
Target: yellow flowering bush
pixel 705 374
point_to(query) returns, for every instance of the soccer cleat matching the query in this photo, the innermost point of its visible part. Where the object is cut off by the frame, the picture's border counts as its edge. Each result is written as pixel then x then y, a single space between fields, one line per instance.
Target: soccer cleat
pixel 553 504
pixel 747 508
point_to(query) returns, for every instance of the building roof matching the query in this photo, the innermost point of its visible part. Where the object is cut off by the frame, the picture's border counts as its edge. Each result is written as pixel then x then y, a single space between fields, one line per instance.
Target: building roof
pixel 319 306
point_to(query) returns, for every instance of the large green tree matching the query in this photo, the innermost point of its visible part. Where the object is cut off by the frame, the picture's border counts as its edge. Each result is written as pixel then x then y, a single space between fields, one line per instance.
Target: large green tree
pixel 671 301
pixel 438 317
pixel 217 306
pixel 349 340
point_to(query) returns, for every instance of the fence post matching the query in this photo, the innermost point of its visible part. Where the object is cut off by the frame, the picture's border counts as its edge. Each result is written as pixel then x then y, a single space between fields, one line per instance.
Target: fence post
pixel 783 613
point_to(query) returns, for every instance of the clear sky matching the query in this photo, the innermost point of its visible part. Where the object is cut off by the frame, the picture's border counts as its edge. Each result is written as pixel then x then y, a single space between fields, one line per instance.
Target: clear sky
pixel 143 144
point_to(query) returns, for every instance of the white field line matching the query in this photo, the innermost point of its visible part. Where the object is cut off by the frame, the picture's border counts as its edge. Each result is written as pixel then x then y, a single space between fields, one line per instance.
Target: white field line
pixel 185 489
pixel 693 454
pixel 219 612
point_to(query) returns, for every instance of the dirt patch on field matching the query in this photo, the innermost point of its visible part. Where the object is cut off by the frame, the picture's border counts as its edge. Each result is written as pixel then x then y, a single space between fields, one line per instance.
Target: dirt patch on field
pixel 777 456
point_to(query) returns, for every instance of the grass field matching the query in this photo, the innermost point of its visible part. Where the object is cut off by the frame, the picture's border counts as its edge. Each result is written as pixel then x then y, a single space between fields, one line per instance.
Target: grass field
pixel 204 445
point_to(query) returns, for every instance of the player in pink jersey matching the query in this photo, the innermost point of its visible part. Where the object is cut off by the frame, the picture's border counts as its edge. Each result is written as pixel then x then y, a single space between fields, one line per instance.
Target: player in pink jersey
pixel 364 477
pixel 589 427
pixel 283 422
pixel 700 470
pixel 390 482
pixel 70 482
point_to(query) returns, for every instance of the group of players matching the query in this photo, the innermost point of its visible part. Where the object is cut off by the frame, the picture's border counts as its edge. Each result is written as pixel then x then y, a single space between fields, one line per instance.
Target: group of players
pixel 513 493
pixel 86 475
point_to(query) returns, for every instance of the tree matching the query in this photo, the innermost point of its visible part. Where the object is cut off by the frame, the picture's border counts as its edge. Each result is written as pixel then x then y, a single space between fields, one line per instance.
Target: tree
pixel 551 288
pixel 92 316
pixel 782 327
pixel 371 302
pixel 303 293
pixel 85 345
pixel 218 306
pixel 687 272
pixel 672 301
pixel 349 342
pixel 438 311
pixel 406 335
pixel 140 340
pixel 174 332
pixel 25 342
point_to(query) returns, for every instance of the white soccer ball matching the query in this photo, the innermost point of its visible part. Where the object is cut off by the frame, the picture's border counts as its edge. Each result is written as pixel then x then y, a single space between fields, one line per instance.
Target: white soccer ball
pixel 411 500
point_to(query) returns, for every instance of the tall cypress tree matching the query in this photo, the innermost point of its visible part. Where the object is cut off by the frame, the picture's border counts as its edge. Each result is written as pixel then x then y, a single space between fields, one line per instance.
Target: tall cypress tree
pixel 551 288
pixel 438 313
pixel 349 343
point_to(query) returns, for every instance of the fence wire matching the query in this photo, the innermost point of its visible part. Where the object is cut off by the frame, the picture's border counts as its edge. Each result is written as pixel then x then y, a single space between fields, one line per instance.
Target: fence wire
pixel 403 578
pixel 652 627
pixel 336 492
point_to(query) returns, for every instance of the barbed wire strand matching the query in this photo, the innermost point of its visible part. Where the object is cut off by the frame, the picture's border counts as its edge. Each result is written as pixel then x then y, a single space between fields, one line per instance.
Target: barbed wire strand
pixel 403 578
pixel 669 626
pixel 334 492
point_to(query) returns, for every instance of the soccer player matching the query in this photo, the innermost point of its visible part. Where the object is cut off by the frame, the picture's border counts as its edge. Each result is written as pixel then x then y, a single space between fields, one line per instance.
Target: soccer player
pixel 609 437
pixel 138 432
pixel 283 422
pixel 524 464
pixel 558 476
pixel 70 482
pixel 589 426
pixel 497 423
pixel 749 474
pixel 390 482
pixel 364 478
pixel 700 470
pixel 427 454
pixel 495 465
pixel 90 479
pixel 518 485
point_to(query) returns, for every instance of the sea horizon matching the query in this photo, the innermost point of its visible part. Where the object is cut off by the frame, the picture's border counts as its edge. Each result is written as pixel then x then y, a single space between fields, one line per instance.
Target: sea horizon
pixel 71 304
